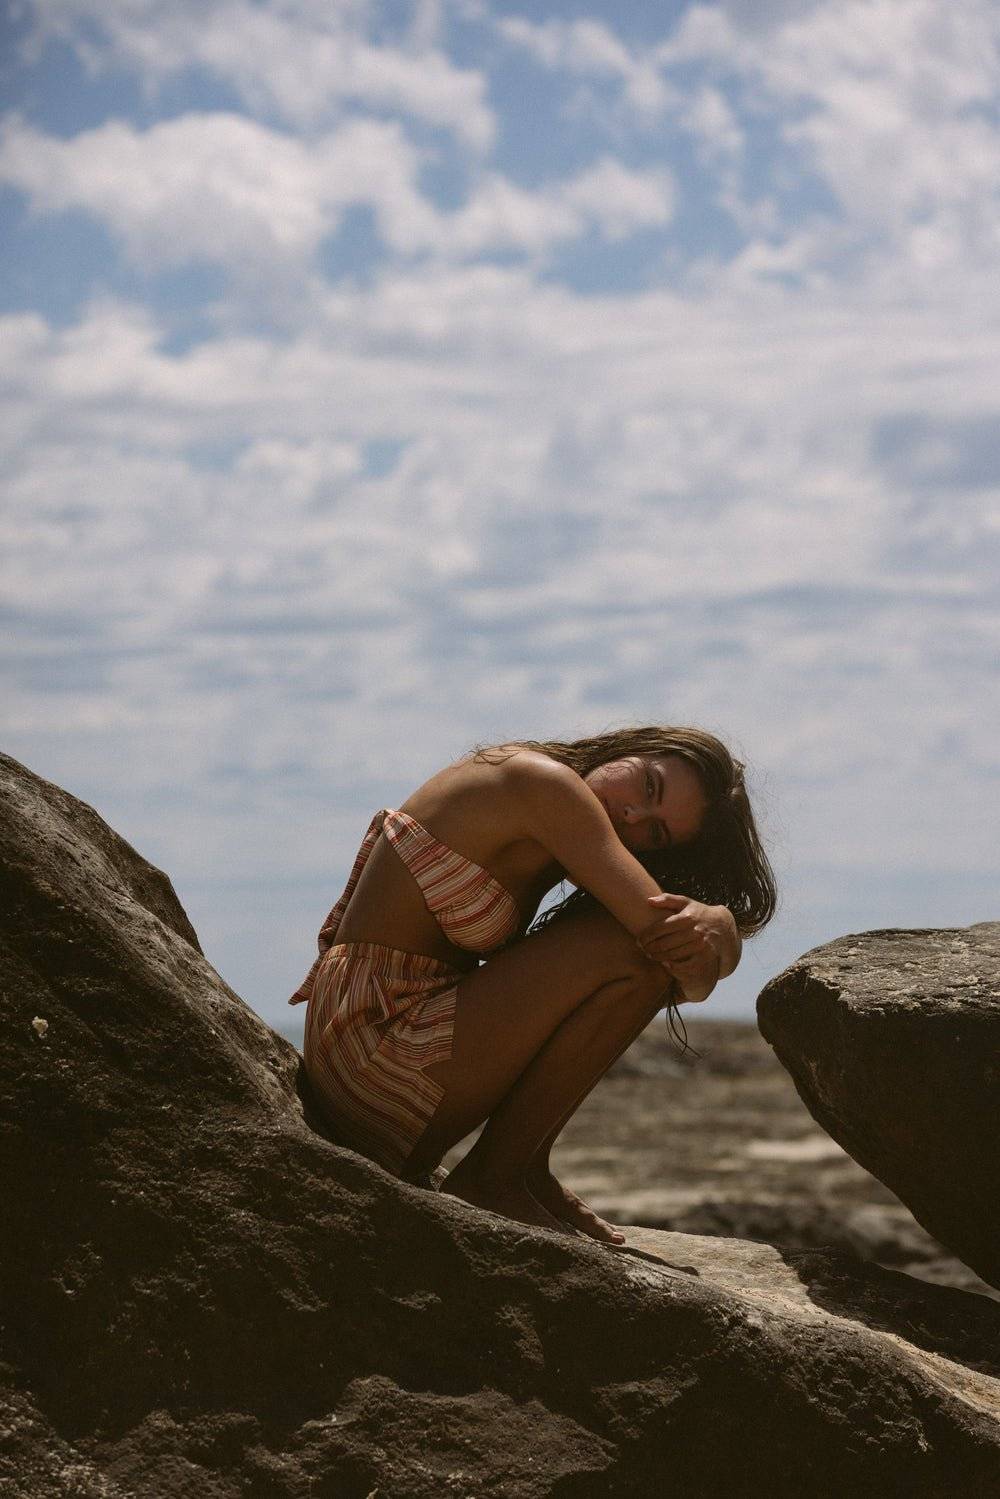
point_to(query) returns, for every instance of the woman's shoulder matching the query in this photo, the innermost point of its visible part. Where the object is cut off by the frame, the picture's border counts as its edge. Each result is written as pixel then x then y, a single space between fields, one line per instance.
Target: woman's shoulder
pixel 520 765
pixel 511 775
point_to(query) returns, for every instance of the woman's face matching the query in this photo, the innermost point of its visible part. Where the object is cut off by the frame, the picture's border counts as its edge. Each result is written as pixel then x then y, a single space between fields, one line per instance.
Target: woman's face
pixel 653 801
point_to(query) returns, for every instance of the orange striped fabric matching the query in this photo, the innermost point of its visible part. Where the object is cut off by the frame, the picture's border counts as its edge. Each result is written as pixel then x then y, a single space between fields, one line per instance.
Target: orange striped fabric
pixel 472 908
pixel 377 1015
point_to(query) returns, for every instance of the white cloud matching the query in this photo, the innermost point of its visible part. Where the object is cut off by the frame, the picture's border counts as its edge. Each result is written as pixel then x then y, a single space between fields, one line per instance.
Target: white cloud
pixel 215 187
pixel 607 196
pixel 892 104
pixel 692 451
pixel 300 60
pixel 589 49
pixel 619 200
pixel 223 188
pixel 711 120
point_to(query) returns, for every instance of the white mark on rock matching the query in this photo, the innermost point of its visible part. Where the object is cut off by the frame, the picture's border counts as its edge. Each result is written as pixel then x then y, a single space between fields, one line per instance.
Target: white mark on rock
pixel 39 1025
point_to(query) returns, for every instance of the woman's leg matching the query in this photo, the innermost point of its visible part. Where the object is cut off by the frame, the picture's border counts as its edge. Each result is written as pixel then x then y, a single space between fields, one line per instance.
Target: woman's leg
pixel 535 1029
pixel 554 1196
pixel 509 1157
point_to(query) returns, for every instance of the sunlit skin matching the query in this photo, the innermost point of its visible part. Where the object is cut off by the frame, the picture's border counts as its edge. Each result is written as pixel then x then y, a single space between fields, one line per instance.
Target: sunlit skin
pixel 657 802
pixel 652 801
pixel 539 1023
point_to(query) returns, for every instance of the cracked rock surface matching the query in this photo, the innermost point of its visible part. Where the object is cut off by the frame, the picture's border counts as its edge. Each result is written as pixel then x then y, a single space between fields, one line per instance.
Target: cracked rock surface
pixel 203 1295
pixel 893 1041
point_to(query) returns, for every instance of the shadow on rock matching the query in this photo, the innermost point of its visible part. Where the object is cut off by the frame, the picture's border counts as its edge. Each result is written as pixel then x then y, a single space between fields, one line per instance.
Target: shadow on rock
pixel 958 1325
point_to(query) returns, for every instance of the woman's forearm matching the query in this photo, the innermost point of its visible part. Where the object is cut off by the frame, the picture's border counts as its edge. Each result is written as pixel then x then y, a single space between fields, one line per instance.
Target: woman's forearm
pixel 732 946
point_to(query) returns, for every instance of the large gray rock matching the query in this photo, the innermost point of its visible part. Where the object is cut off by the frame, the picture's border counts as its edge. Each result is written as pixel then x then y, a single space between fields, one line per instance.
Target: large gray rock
pixel 893 1041
pixel 203 1296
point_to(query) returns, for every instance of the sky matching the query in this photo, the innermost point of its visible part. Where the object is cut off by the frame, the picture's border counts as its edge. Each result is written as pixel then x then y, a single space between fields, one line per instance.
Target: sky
pixel 383 379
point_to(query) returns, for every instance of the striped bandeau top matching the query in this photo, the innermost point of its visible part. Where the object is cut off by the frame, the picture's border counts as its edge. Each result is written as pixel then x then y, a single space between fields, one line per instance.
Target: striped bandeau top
pixel 472 908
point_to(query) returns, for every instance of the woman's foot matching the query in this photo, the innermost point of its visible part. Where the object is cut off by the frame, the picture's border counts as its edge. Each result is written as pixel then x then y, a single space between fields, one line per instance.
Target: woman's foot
pixel 511 1199
pixel 568 1208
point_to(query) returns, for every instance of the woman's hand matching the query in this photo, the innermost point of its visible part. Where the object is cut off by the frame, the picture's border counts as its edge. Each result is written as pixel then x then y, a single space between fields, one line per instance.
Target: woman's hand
pixel 697 944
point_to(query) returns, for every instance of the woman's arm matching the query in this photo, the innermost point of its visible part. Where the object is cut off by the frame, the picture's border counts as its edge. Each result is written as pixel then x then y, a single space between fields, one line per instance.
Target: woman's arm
pixel 560 812
pixel 690 927
pixel 696 943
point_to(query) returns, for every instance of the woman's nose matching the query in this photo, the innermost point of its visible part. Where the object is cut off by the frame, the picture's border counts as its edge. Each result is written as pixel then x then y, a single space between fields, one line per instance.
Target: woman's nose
pixel 633 814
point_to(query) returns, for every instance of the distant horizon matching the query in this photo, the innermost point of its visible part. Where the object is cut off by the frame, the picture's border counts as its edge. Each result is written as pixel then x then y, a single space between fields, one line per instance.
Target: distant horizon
pixel 384 379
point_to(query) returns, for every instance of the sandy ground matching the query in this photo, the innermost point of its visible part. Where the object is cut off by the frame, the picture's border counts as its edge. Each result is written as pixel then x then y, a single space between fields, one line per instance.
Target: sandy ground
pixel 723 1145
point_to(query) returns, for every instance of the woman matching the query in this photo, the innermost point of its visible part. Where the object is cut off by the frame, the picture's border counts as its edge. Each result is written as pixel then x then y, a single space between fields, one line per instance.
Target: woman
pixel 411 1041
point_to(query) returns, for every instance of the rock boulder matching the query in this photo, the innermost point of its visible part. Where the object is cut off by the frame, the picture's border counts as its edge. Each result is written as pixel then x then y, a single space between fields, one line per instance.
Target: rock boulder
pixel 893 1041
pixel 202 1295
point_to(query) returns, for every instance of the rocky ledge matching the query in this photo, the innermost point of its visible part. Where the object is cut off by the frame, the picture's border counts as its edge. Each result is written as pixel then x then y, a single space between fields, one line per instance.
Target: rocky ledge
pixel 893 1041
pixel 203 1295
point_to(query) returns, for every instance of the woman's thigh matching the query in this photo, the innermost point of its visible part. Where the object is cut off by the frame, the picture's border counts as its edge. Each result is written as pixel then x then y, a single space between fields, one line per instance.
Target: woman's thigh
pixel 507 1009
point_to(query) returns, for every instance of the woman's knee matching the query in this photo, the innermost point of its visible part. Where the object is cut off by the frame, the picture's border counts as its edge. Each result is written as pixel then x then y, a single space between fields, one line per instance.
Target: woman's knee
pixel 648 984
pixel 601 941
pixel 625 1004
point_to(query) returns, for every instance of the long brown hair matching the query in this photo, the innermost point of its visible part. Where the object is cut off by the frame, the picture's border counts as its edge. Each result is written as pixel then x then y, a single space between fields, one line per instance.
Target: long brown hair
pixel 725 865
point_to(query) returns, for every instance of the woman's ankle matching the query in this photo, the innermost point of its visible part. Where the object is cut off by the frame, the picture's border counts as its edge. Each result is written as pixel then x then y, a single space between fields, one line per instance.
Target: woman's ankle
pixel 488 1172
pixel 538 1170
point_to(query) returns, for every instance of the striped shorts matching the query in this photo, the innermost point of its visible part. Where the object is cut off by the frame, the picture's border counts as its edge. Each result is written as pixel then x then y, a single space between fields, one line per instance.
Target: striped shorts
pixel 377 1017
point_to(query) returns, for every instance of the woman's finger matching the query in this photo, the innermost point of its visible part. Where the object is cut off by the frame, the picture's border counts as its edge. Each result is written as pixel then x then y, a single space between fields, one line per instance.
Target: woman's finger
pixel 688 950
pixel 668 924
pixel 674 942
